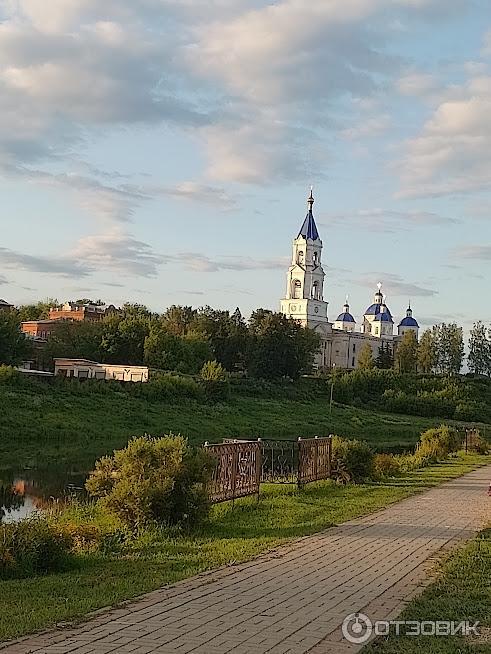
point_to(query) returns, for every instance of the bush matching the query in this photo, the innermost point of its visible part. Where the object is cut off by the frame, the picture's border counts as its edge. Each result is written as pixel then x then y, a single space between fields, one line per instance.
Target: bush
pixel 154 480
pixel 386 465
pixel 478 444
pixel 439 442
pixel 215 381
pixel 31 547
pixel 352 460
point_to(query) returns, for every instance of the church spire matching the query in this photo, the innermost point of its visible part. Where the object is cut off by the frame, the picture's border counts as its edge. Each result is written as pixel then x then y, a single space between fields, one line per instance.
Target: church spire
pixel 309 229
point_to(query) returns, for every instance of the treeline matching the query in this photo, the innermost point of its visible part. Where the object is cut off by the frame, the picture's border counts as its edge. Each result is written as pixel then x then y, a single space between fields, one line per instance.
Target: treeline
pixel 443 396
pixel 182 339
pixel 440 350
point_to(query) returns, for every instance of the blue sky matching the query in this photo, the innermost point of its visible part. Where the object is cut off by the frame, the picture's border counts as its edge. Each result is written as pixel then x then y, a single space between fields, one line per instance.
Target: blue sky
pixel 161 151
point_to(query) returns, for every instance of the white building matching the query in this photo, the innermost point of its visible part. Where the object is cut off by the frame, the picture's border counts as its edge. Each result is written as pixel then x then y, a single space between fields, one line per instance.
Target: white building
pixel 341 342
pixel 85 369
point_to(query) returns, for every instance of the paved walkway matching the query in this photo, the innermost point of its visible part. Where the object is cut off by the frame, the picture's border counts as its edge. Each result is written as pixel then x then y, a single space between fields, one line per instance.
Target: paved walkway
pixel 293 600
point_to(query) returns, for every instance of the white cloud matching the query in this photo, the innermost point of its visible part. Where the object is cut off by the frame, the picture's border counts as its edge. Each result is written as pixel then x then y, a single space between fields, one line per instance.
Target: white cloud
pixel 202 263
pixel 417 84
pixel 453 152
pixel 481 252
pixel 394 285
pixel 387 220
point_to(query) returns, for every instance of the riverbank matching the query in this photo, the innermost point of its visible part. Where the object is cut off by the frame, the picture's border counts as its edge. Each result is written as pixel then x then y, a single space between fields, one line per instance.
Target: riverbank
pixel 51 428
pixel 233 534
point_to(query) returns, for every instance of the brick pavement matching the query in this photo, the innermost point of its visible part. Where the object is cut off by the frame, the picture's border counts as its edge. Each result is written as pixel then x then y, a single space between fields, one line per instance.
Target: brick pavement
pixel 292 600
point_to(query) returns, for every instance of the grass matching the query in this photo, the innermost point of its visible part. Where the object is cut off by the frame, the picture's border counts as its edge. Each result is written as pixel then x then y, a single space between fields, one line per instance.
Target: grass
pixel 233 534
pixel 51 427
pixel 461 592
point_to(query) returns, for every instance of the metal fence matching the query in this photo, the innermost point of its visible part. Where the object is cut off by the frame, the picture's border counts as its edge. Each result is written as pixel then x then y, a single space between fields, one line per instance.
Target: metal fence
pixel 314 459
pixel 471 439
pixel 238 470
pixel 243 465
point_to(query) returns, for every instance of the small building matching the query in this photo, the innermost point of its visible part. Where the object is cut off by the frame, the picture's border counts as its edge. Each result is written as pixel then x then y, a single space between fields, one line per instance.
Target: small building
pixel 81 312
pixel 85 369
pixel 40 329
pixel 5 306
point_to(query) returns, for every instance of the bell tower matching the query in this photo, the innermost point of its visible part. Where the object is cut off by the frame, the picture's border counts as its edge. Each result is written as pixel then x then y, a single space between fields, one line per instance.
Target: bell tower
pixel 304 298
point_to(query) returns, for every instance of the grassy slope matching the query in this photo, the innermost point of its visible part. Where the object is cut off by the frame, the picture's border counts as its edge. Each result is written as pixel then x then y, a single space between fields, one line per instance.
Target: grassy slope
pixel 462 592
pixel 233 535
pixel 72 430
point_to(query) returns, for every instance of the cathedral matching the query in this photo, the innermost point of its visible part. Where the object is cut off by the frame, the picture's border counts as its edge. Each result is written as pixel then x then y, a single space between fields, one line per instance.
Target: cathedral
pixel 341 340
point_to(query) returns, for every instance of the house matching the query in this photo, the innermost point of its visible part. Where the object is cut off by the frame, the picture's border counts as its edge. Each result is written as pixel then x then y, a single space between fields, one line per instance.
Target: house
pixel 75 312
pixel 85 369
pixel 5 306
pixel 40 330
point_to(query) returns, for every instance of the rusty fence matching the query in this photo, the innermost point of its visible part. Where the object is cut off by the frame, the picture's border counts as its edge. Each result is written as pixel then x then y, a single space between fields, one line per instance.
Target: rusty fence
pixel 243 465
pixel 238 470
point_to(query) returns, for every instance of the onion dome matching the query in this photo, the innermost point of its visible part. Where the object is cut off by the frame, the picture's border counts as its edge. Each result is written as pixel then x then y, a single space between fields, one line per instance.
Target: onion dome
pixel 346 315
pixel 409 321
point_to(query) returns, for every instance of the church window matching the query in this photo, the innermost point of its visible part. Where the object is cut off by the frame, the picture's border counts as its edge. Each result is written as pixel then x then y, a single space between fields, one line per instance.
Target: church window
pixel 354 348
pixel 315 290
pixel 297 289
pixel 315 258
pixel 353 362
pixel 300 258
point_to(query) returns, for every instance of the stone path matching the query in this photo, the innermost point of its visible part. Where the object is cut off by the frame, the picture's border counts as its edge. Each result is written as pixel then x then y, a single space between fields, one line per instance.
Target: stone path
pixel 293 600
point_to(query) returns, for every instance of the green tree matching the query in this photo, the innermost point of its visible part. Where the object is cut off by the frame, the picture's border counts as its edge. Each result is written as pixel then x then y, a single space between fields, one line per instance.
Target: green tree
pixel 38 311
pixel 123 337
pixel 365 360
pixel 385 357
pixel 427 351
pixel 14 346
pixel 168 351
pixel 178 320
pixel 77 340
pixel 407 353
pixel 227 335
pixel 479 359
pixel 280 346
pixel 449 348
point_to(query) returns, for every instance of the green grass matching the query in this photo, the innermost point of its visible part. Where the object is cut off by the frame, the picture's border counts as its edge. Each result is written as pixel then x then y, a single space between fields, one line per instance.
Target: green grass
pixel 51 427
pixel 461 592
pixel 233 534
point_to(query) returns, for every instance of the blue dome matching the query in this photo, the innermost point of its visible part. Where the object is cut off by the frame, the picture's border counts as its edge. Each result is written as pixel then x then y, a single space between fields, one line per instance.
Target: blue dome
pixel 383 317
pixel 345 317
pixel 374 309
pixel 408 321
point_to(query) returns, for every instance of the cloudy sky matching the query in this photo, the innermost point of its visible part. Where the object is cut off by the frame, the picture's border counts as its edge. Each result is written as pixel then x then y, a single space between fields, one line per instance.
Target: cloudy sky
pixel 161 151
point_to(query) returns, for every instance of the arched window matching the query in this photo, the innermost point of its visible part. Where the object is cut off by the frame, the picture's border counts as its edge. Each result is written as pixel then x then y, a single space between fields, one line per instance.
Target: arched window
pixel 315 258
pixel 300 257
pixel 297 289
pixel 315 290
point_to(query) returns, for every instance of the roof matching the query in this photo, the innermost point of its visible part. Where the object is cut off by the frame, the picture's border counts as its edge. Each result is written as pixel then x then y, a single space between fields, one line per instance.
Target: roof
pixel 309 229
pixel 374 309
pixel 3 303
pixel 408 321
pixel 384 317
pixel 345 317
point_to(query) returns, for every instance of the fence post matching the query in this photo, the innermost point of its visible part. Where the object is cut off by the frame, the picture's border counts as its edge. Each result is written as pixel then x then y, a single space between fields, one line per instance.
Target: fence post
pixel 466 441
pixel 329 456
pixel 316 457
pixel 235 466
pixel 259 466
pixel 300 455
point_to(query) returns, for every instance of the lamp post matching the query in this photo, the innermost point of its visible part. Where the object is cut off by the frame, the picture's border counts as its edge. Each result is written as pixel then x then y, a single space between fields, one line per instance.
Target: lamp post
pixel 332 388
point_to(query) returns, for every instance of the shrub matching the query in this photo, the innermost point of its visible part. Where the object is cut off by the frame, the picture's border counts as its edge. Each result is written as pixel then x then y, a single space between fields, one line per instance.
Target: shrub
pixel 352 460
pixel 478 444
pixel 31 547
pixel 386 465
pixel 154 479
pixel 439 442
pixel 215 381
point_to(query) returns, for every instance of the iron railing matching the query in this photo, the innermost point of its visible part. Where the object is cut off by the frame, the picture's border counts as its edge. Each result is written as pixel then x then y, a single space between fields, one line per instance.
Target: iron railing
pixel 314 459
pixel 238 470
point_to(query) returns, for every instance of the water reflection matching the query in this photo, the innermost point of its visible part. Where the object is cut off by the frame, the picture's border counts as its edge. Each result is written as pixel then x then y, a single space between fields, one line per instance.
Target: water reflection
pixel 26 491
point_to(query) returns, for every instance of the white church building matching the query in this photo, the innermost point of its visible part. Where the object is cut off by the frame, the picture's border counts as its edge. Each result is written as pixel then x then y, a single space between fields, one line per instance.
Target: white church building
pixel 341 340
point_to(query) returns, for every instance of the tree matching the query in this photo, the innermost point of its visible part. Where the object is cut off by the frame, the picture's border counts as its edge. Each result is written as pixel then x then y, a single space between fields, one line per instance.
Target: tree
pixel 427 352
pixel 171 352
pixel 123 337
pixel 479 359
pixel 449 348
pixel 178 320
pixel 227 335
pixel 407 353
pixel 38 311
pixel 280 346
pixel 14 346
pixel 365 360
pixel 77 340
pixel 385 357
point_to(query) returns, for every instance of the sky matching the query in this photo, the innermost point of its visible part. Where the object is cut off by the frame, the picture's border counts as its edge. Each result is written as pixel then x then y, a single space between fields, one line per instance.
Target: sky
pixel 162 151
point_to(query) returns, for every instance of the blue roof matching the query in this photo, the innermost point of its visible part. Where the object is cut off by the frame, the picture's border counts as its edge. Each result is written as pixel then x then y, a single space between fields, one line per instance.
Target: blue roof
pixel 309 228
pixel 345 317
pixel 374 309
pixel 408 321
pixel 384 317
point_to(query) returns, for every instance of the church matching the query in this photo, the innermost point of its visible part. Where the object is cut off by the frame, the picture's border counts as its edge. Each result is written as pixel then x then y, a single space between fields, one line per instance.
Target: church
pixel 341 340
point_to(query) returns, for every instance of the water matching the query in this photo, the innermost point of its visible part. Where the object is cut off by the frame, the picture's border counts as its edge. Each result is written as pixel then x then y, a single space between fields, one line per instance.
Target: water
pixel 24 492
